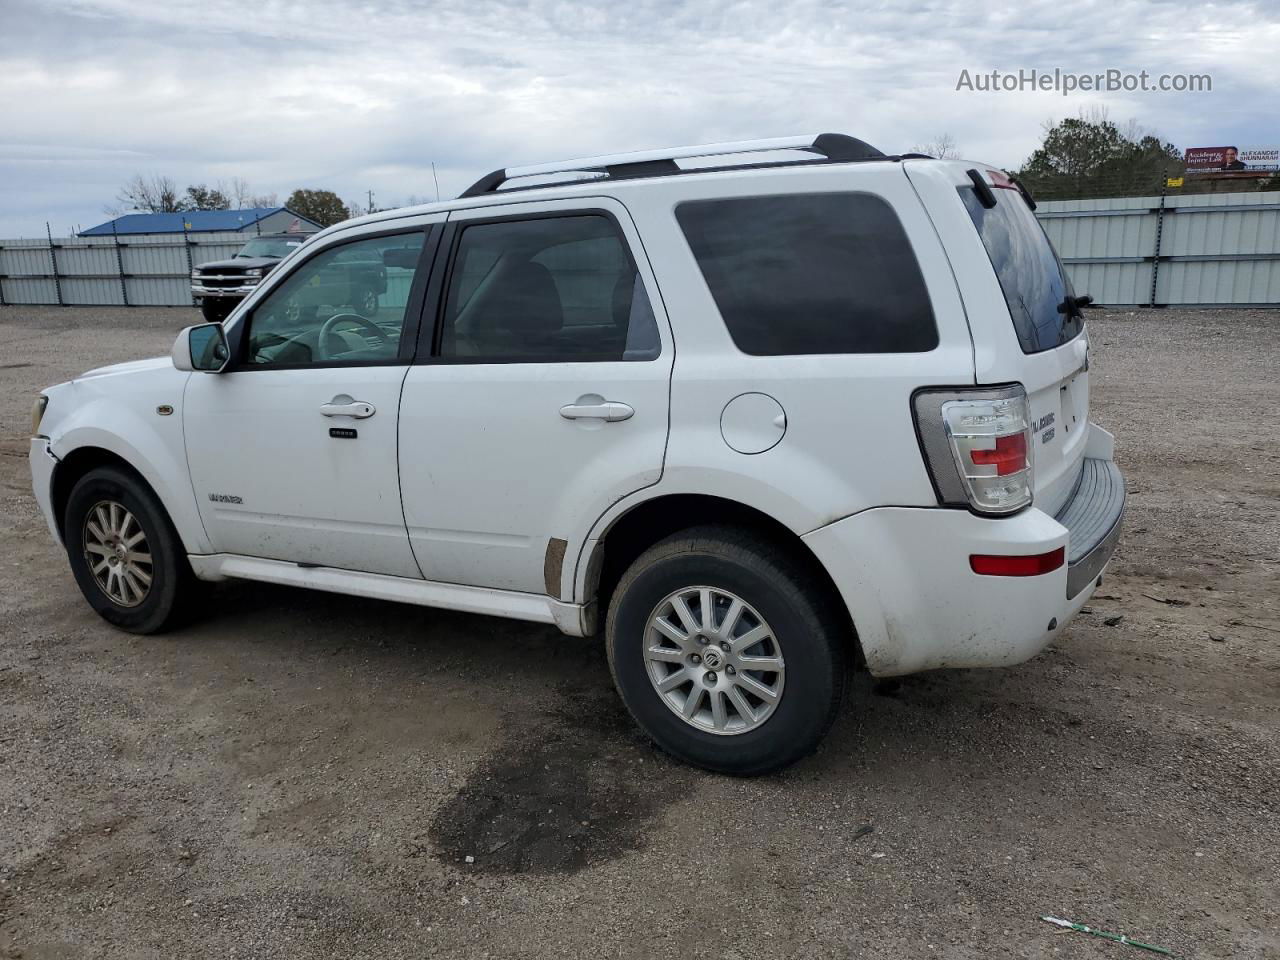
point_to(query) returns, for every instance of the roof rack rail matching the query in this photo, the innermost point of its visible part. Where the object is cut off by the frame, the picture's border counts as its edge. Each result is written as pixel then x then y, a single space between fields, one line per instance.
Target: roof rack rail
pixel 830 147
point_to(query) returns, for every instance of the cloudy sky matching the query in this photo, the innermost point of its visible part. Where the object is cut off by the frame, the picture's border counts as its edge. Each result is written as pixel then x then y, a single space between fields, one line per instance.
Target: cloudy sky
pixel 357 95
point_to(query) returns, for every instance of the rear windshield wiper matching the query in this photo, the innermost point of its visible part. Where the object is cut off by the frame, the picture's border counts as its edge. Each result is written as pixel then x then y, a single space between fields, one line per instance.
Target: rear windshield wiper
pixel 1071 305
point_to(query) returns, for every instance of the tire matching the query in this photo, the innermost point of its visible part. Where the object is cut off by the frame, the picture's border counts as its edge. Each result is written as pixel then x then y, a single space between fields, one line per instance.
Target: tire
pixel 96 507
pixel 778 602
pixel 215 311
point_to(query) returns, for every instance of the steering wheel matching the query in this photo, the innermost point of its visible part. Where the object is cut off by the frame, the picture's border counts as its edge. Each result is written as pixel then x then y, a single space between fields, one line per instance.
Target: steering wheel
pixel 373 334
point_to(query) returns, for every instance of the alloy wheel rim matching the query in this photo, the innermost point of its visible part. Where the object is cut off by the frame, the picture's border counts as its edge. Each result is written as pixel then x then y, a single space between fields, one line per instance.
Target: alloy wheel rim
pixel 713 660
pixel 118 554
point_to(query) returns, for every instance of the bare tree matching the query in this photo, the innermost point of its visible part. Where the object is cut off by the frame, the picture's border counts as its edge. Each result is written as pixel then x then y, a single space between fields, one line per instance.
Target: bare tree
pixel 242 196
pixel 238 193
pixel 153 194
pixel 943 147
pixel 160 194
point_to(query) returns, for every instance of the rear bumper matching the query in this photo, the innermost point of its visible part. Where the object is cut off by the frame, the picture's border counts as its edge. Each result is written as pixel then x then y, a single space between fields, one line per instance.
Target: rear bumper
pixel 1093 517
pixel 917 605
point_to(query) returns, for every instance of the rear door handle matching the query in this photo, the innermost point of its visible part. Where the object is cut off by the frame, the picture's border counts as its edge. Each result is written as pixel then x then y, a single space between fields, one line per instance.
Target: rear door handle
pixel 592 406
pixel 343 406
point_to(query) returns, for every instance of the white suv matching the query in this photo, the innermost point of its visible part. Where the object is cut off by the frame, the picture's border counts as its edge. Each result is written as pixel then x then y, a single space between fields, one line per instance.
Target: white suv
pixel 760 410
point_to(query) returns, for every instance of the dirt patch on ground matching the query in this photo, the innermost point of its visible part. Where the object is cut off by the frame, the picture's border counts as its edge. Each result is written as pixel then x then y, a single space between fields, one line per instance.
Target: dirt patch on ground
pixel 562 795
pixel 300 775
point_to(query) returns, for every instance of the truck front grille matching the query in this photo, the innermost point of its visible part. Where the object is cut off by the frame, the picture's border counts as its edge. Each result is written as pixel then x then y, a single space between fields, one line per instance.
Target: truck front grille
pixel 219 280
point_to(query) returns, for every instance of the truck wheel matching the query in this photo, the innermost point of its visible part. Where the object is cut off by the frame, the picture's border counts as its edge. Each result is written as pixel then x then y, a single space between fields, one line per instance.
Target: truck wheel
pixel 125 555
pixel 725 653
pixel 368 305
pixel 214 311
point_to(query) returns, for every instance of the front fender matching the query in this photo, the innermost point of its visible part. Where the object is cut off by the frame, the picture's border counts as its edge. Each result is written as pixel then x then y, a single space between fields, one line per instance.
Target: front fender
pixel 150 443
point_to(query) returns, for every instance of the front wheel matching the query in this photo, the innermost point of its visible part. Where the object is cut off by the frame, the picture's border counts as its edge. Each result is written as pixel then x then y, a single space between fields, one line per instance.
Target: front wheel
pixel 725 652
pixel 125 555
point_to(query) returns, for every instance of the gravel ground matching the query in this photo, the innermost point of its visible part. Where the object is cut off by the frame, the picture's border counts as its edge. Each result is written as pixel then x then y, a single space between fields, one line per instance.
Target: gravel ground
pixel 304 775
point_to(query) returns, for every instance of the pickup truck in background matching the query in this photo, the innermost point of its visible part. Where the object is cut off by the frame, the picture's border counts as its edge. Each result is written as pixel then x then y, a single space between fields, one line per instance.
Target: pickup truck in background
pixel 218 286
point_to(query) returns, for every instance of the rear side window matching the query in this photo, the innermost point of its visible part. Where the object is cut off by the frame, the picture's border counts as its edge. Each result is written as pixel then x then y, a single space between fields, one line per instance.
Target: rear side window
pixel 546 290
pixel 811 273
pixel 1031 276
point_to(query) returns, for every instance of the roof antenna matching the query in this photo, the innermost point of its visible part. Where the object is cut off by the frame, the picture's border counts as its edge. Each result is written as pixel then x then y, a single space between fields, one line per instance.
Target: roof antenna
pixel 436 179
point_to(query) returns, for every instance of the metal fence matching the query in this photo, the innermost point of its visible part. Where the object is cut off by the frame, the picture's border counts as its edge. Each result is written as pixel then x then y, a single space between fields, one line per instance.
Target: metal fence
pixel 1208 250
pixel 133 270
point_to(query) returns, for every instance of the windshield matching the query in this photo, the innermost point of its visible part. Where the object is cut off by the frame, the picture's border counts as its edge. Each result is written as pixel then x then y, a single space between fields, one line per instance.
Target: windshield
pixel 270 246
pixel 1035 286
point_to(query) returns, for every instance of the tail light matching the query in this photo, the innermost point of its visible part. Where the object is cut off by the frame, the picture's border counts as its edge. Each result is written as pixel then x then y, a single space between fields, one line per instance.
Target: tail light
pixel 977 445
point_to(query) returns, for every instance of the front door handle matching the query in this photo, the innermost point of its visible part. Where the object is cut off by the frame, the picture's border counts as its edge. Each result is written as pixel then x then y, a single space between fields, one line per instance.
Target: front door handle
pixel 343 406
pixel 592 406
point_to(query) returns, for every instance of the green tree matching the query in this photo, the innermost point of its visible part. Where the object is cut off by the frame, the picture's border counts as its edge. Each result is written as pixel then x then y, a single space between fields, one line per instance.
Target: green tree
pixel 201 197
pixel 322 206
pixel 1089 156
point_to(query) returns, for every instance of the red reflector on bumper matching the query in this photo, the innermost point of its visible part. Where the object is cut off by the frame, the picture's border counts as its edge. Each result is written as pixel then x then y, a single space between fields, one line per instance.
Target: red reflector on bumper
pixel 995 565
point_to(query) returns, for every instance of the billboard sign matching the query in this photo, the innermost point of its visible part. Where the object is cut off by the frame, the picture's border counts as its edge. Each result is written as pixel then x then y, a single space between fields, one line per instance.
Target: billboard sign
pixel 1232 161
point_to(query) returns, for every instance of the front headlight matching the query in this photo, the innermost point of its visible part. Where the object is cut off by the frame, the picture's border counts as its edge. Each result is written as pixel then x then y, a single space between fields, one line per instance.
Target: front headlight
pixel 37 413
pixel 255 272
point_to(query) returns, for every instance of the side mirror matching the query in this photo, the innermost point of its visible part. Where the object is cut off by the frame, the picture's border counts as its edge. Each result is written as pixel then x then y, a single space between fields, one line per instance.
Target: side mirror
pixel 202 347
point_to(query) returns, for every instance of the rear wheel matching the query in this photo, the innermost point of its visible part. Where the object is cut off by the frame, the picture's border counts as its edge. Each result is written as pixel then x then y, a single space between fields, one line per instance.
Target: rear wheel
pixel 725 652
pixel 125 555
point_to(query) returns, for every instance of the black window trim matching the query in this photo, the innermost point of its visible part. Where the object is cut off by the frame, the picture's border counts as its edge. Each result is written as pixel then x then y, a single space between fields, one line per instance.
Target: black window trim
pixel 431 335
pixel 413 310
pixel 724 325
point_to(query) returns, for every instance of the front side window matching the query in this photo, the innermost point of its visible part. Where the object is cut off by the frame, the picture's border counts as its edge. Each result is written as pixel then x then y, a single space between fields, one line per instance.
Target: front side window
pixel 811 274
pixel 546 289
pixel 346 304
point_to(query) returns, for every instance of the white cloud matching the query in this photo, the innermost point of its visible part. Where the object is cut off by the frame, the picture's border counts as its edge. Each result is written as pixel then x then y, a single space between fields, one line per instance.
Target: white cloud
pixel 364 96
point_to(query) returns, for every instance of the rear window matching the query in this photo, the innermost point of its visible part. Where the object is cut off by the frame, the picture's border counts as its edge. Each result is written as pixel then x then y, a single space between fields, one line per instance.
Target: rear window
pixel 1035 285
pixel 811 273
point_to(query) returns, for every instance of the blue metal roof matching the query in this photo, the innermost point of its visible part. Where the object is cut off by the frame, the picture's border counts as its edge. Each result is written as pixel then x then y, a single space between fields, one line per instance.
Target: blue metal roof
pixel 192 221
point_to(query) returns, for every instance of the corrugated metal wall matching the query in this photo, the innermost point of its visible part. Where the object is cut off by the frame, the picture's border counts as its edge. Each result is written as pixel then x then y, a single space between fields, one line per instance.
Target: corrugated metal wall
pixel 136 270
pixel 1208 249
